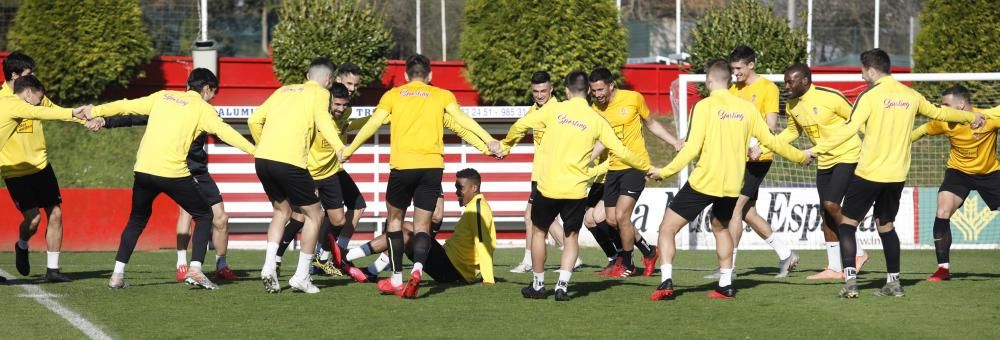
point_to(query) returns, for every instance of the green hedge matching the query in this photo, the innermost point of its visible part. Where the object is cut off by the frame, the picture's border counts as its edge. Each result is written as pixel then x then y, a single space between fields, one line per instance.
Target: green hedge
pixel 342 30
pixel 959 36
pixel 82 47
pixel 746 22
pixel 505 41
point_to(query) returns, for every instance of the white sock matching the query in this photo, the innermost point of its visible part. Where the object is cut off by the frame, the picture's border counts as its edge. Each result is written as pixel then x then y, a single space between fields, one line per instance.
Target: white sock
pixel 734 258
pixel 119 267
pixel 945 265
pixel 195 266
pixel 726 278
pixel 380 264
pixel 833 257
pixel 343 241
pixel 324 255
pixel 23 244
pixel 181 257
pixel 270 257
pixel 891 277
pixel 859 250
pixel 220 262
pixel 53 259
pixel 305 261
pixel 397 279
pixel 527 256
pixel 538 281
pixel 563 282
pixel 779 247
pixel 666 272
pixel 356 253
pixel 417 267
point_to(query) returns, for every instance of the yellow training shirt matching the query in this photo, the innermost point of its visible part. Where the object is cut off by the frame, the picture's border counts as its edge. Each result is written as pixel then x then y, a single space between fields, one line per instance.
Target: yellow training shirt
pixel 416 113
pixel 763 94
pixel 819 113
pixel 284 125
pixel 625 113
pixel 972 151
pixel 175 119
pixel 25 152
pixel 571 129
pixel 537 137
pixel 721 127
pixel 471 246
pixel 14 110
pixel 886 110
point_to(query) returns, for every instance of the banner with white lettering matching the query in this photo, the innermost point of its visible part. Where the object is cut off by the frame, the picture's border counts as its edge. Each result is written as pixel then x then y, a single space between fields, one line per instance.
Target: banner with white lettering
pixel 794 215
pixel 476 112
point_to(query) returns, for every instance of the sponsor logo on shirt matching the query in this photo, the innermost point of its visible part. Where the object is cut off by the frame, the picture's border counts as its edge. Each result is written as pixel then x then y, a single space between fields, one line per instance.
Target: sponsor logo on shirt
pixel 26 126
pixel 730 115
pixel 893 104
pixel 409 93
pixel 170 97
pixel 563 119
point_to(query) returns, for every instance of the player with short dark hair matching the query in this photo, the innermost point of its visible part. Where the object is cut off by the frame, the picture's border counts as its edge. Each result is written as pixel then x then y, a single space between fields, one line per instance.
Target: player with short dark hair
pixel 886 111
pixel 972 165
pixel 721 127
pixel 418 113
pixel 349 74
pixel 627 113
pixel 571 128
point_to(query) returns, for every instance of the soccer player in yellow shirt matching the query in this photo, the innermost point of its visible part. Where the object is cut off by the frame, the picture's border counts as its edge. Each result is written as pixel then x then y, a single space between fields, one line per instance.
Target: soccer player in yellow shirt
pixel 417 112
pixel 571 130
pixel 29 178
pixel 627 113
pixel 886 111
pixel 466 257
pixel 175 120
pixel 972 165
pixel 818 112
pixel 764 95
pixel 284 128
pixel 721 127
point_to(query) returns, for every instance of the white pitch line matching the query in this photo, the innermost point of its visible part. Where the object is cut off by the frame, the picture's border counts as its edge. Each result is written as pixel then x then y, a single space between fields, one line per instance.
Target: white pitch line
pixel 46 299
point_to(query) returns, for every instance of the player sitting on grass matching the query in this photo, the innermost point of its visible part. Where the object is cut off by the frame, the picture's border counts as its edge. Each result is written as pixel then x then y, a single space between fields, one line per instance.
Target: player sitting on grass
pixel 468 254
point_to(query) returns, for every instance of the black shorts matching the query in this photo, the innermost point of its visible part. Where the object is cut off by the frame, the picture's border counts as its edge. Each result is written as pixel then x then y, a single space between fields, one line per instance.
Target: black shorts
pixel 628 182
pixel 753 177
pixel 832 183
pixel 595 195
pixel 439 266
pixel 960 183
pixel 353 199
pixel 283 181
pixel 544 211
pixel 862 193
pixel 689 203
pixel 421 186
pixel 330 194
pixel 534 189
pixel 37 190
pixel 208 188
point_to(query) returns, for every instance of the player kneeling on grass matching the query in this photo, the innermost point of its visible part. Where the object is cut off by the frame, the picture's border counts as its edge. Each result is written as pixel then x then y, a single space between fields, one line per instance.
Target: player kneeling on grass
pixel 721 127
pixel 466 257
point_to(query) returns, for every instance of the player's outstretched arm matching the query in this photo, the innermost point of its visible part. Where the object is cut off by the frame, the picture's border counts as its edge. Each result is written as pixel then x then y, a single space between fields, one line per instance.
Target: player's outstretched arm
pixel 378 118
pixel 695 141
pixel 256 121
pixel 659 131
pixel 791 132
pixel 948 114
pixel 610 140
pixel 521 126
pixel 760 130
pixel 859 116
pixel 468 136
pixel 210 122
pixel 138 106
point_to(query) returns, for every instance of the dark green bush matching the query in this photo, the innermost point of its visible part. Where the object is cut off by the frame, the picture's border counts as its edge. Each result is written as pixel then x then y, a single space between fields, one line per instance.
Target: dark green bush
pixel 746 22
pixel 82 47
pixel 342 30
pixel 505 41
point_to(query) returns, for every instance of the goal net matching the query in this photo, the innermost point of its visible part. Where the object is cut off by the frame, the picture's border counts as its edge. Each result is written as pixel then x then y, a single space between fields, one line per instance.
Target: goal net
pixel 788 199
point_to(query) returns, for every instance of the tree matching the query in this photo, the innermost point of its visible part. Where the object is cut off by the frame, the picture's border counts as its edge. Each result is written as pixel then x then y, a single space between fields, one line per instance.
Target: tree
pixel 959 37
pixel 342 30
pixel 82 46
pixel 746 22
pixel 505 41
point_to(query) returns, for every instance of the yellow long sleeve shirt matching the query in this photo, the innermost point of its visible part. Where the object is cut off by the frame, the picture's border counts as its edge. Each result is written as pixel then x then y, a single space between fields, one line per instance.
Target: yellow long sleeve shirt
pixel 14 110
pixel 175 120
pixel 887 110
pixel 721 127
pixel 571 129
pixel 764 95
pixel 470 248
pixel 625 114
pixel 416 113
pixel 25 152
pixel 284 126
pixel 537 137
pixel 819 113
pixel 972 151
